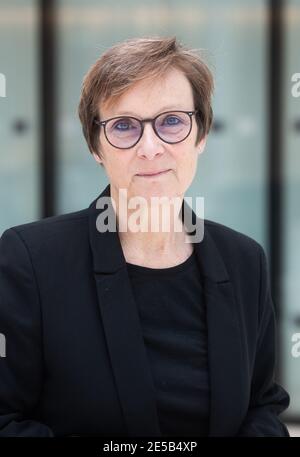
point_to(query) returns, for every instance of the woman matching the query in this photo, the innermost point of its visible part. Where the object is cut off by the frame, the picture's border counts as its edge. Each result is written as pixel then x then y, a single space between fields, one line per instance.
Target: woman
pixel 116 331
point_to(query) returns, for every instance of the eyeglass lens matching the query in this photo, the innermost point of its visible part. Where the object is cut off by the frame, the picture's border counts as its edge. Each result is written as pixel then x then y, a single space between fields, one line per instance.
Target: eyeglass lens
pixel 171 127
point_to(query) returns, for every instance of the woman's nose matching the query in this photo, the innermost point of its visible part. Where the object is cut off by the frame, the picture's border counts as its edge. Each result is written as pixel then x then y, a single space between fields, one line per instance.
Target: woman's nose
pixel 150 144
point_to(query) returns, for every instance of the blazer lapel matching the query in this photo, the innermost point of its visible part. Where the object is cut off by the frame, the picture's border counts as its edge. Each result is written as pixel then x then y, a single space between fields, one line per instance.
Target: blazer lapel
pixel 227 369
pixel 122 330
pixel 125 340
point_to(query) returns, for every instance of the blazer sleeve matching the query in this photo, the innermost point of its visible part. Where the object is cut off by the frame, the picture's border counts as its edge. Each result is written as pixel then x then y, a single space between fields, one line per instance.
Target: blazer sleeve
pixel 268 399
pixel 21 363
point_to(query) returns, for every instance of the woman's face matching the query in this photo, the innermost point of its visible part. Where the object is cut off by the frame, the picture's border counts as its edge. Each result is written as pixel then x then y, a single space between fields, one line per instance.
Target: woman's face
pixel 146 99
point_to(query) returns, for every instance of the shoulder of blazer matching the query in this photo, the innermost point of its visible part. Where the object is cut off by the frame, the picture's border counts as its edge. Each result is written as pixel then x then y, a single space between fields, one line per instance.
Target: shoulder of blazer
pixel 246 263
pixel 241 254
pixel 227 238
pixel 39 233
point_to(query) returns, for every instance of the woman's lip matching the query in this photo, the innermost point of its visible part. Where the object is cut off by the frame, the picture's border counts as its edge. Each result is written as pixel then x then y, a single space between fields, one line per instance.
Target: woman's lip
pixel 153 174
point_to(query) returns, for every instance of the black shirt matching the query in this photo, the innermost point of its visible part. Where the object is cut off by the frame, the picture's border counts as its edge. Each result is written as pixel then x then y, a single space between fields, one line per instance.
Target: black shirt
pixel 173 320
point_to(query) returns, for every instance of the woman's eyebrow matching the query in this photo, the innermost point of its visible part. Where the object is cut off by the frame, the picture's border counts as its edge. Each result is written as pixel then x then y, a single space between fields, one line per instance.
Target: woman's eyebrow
pixel 164 108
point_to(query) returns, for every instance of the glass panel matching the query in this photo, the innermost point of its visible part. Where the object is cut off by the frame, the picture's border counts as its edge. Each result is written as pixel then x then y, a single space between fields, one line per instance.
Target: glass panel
pixel 19 167
pixel 291 216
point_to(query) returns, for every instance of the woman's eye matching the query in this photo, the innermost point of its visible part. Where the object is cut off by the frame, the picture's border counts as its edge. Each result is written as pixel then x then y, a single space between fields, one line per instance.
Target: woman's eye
pixel 172 120
pixel 122 125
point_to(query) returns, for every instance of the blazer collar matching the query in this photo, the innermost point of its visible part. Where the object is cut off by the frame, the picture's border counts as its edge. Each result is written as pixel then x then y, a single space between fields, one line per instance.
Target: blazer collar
pixel 125 340
pixel 112 258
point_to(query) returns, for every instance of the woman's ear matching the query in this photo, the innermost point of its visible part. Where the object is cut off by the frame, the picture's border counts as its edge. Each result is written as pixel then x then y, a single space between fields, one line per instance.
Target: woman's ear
pixel 97 158
pixel 201 144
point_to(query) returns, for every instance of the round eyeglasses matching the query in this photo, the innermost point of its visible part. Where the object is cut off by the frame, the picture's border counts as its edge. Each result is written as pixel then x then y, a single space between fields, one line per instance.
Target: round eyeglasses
pixel 124 132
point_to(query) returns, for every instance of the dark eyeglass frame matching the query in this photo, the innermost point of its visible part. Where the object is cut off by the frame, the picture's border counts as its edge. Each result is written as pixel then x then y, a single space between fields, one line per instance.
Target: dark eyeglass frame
pixel 142 122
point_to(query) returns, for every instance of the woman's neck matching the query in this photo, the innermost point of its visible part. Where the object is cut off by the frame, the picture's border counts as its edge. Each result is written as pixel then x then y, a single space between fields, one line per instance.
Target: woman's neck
pixel 157 250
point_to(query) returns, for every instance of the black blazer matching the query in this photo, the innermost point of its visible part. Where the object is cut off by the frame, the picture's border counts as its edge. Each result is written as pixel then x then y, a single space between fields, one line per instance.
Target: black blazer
pixel 75 359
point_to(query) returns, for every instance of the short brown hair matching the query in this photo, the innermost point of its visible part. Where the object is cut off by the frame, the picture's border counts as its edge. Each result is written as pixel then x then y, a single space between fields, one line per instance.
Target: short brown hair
pixel 137 59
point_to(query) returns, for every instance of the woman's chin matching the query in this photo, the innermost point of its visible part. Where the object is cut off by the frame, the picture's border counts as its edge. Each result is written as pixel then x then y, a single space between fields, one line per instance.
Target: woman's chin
pixel 156 193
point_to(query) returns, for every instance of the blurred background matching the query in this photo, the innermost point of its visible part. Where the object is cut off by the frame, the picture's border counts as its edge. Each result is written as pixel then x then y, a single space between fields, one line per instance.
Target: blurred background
pixel 249 173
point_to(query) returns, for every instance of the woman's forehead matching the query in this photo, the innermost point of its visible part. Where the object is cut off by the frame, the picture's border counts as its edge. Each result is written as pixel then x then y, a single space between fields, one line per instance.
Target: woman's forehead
pixel 150 97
